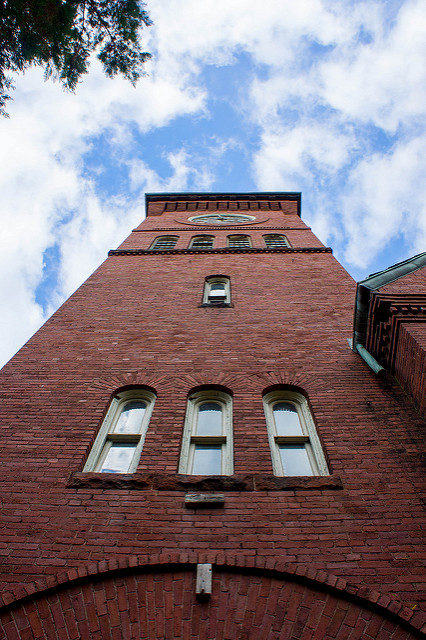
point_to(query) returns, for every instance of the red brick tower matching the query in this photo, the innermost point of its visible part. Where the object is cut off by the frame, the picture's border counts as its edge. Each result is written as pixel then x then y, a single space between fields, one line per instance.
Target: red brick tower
pixel 190 449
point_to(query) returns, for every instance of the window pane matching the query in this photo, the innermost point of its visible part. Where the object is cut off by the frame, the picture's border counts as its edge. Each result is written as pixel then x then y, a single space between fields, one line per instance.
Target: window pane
pixel 207 460
pixel 209 421
pixel 130 420
pixel 118 458
pixel 287 420
pixel 217 286
pixel 295 460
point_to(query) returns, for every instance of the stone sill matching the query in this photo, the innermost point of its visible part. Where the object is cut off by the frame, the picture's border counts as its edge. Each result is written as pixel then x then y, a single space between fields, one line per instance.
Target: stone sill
pixel 178 482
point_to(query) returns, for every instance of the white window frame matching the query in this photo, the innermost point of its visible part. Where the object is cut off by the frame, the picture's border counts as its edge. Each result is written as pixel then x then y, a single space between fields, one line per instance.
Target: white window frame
pixel 159 240
pixel 190 439
pixel 208 288
pixel 106 437
pixel 239 235
pixel 309 438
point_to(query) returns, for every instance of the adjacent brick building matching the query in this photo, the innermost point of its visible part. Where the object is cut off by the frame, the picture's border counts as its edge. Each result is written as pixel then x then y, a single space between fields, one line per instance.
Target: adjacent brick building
pixel 214 339
pixel 390 321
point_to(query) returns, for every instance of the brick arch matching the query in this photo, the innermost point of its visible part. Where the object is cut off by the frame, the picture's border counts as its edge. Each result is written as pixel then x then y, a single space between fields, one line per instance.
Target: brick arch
pixel 142 377
pixel 291 377
pixel 209 378
pixel 154 597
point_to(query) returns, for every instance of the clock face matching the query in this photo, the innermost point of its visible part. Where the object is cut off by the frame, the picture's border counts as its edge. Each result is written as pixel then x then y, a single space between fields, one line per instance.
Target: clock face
pixel 222 218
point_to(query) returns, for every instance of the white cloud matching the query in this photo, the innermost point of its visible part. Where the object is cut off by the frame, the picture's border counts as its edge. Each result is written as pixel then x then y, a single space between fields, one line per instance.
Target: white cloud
pixel 383 82
pixel 289 157
pixel 326 131
pixel 42 182
pixel 183 175
pixel 386 197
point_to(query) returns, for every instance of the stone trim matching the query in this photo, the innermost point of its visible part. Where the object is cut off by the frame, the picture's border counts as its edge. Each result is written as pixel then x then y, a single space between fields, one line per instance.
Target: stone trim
pixel 143 252
pixel 180 482
pixel 221 561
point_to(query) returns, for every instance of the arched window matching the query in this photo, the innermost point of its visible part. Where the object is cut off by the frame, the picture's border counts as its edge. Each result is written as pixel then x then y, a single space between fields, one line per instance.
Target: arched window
pixel 118 445
pixel 202 242
pixel 295 446
pixel 207 436
pixel 217 289
pixel 239 242
pixel 276 241
pixel 164 242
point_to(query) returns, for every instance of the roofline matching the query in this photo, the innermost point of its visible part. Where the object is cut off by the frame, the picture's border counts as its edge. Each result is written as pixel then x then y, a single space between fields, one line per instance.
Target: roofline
pixel 398 270
pixel 208 195
pixel 365 289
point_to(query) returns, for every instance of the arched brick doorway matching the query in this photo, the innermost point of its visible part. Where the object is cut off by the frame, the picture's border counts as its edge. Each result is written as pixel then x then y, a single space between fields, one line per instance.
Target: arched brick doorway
pixel 158 602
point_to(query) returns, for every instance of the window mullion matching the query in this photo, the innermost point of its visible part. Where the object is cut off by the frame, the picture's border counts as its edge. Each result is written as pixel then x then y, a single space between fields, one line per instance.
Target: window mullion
pixel 291 439
pixel 124 437
pixel 208 439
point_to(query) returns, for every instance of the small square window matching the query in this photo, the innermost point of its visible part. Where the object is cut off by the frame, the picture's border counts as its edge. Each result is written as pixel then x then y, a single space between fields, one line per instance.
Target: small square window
pixel 217 290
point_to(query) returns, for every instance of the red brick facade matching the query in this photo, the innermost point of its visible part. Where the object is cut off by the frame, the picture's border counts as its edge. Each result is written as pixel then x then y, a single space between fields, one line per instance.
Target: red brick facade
pixel 342 551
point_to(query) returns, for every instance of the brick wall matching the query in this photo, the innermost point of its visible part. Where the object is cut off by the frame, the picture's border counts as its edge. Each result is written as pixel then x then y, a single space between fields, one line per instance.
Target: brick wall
pixel 410 362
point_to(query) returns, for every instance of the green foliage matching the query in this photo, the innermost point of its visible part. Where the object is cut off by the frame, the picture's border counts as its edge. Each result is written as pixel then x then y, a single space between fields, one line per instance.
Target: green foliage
pixel 60 35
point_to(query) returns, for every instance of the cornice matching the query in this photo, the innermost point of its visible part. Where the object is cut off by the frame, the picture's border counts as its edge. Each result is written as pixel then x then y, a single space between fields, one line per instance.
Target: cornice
pixel 217 228
pixel 226 250
pixel 386 314
pixel 255 196
pixel 194 201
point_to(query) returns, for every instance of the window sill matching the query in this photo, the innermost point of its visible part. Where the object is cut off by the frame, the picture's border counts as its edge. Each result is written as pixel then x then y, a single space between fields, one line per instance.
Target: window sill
pixel 178 482
pixel 219 305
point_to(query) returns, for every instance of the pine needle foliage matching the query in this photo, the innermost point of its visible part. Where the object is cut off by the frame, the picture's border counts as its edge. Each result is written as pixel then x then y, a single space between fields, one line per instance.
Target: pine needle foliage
pixel 61 35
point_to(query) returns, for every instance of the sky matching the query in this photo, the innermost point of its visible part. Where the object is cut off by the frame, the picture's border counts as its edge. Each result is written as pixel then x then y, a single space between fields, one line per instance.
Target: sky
pixel 326 97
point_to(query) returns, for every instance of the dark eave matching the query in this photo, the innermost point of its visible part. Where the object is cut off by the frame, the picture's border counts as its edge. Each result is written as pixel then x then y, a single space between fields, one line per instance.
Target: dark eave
pixel 214 197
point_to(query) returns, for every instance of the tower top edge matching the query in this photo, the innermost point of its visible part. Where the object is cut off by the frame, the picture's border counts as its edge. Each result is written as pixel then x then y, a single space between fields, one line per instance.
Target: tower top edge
pixel 212 197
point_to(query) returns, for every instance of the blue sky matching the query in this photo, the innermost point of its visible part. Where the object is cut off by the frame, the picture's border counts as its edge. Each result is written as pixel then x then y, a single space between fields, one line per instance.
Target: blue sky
pixel 321 97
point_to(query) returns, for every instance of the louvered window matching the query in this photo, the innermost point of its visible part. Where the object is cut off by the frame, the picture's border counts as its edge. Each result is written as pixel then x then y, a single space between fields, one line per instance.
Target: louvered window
pixel 276 241
pixel 239 242
pixel 164 242
pixel 202 242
